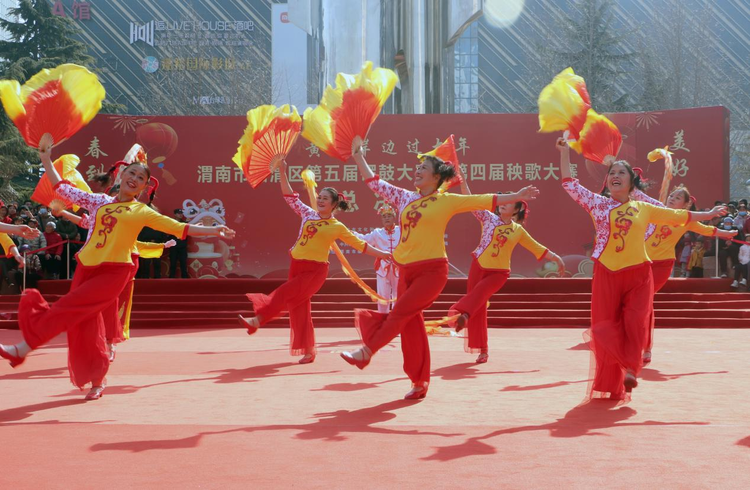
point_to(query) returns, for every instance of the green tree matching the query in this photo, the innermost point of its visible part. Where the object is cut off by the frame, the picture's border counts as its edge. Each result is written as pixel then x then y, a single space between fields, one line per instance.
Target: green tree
pixel 596 50
pixel 38 40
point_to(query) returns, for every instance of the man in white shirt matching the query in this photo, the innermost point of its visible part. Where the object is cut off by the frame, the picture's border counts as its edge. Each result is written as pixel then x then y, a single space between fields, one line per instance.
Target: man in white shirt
pixel 385 238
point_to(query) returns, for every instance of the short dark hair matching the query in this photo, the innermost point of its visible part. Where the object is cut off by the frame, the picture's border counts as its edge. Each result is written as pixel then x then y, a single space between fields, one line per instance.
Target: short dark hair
pixel 179 210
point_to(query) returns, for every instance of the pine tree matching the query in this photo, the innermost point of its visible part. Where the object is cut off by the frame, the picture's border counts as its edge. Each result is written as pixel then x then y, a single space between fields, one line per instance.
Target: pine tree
pixel 595 49
pixel 38 40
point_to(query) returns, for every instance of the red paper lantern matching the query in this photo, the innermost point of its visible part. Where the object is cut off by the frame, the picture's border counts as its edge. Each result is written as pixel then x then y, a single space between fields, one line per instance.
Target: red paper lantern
pixel 158 139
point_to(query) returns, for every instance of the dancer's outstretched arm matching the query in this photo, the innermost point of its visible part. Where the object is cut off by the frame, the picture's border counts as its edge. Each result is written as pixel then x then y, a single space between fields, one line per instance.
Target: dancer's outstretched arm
pixel 359 158
pixel 564 149
pixel 286 187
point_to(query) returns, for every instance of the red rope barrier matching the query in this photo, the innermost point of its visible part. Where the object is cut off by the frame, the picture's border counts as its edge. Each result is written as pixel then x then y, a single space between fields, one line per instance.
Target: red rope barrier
pixel 10 256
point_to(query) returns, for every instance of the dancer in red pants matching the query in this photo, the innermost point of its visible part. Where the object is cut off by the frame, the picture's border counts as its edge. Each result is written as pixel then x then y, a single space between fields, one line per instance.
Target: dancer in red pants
pixel 309 268
pixel 502 230
pixel 622 290
pixel 117 315
pixel 660 245
pixel 423 263
pixel 104 268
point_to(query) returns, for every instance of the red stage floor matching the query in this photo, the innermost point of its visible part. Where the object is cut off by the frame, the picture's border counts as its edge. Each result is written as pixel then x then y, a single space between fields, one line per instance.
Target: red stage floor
pixel 218 409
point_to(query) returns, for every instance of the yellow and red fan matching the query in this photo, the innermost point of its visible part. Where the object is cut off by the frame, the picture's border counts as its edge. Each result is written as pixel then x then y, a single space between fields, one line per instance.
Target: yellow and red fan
pixel 664 153
pixel 348 110
pixel 59 101
pixel 600 140
pixel 66 167
pixel 270 134
pixel 563 105
pixel 447 153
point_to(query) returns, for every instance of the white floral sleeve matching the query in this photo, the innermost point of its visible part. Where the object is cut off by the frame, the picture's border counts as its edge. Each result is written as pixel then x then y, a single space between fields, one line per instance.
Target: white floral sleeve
pixel 86 222
pixel 89 201
pixel 639 195
pixel 395 196
pixel 585 198
pixel 302 209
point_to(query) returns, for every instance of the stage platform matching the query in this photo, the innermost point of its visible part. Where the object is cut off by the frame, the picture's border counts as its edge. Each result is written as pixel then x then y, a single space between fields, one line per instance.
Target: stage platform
pixel 522 303
pixel 214 408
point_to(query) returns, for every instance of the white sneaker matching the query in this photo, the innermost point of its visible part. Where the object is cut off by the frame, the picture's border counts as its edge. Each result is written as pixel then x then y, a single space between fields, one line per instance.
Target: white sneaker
pixel 734 284
pixel 723 276
pixel 743 282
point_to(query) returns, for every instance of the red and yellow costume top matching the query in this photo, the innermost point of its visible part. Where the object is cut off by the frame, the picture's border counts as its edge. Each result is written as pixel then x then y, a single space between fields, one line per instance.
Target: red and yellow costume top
pixel 499 239
pixel 423 219
pixel 661 244
pixel 621 227
pixel 115 227
pixel 316 235
pixel 661 240
pixel 6 242
pixel 146 250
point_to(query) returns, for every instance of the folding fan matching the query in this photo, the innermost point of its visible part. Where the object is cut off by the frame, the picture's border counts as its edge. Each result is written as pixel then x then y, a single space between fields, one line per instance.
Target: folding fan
pixel 348 110
pixel 563 104
pixel 600 140
pixel 66 168
pixel 270 134
pixel 664 153
pixel 59 101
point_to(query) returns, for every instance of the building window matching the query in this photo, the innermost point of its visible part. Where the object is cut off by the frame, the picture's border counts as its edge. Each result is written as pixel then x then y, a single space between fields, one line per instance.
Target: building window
pixel 466 72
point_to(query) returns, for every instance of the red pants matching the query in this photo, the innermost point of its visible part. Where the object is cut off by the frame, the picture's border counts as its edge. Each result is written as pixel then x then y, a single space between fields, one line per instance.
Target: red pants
pixel 661 270
pixel 117 315
pixel 482 284
pixel 419 285
pixel 620 306
pixel 79 312
pixel 305 279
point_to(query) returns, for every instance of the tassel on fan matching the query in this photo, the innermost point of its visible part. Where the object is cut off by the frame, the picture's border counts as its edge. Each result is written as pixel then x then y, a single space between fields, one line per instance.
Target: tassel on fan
pixel 59 101
pixel 600 140
pixel 563 105
pixel 270 134
pixel 348 110
pixel 66 167
pixel 447 153
pixel 308 177
pixel 664 153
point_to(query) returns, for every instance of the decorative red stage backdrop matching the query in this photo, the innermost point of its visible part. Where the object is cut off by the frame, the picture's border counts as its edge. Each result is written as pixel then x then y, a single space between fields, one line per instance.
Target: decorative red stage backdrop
pixel 192 156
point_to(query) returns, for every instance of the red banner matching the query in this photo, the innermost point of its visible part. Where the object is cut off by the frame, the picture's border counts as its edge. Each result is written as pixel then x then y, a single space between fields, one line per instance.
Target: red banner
pixel 192 157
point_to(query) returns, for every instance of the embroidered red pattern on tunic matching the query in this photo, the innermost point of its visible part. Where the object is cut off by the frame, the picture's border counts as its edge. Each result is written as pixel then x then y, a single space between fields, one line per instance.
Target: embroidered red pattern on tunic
pixel 413 216
pixel 108 222
pixel 623 224
pixel 664 232
pixel 310 230
pixel 500 240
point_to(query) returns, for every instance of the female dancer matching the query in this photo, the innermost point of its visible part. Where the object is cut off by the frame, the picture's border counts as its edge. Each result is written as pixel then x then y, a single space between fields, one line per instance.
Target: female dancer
pixel 104 268
pixel 422 261
pixel 117 315
pixel 502 230
pixel 660 246
pixel 309 269
pixel 622 290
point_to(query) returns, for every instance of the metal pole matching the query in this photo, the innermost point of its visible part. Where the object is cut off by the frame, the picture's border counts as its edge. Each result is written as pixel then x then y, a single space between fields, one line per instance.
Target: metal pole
pixel 716 256
pixel 25 266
